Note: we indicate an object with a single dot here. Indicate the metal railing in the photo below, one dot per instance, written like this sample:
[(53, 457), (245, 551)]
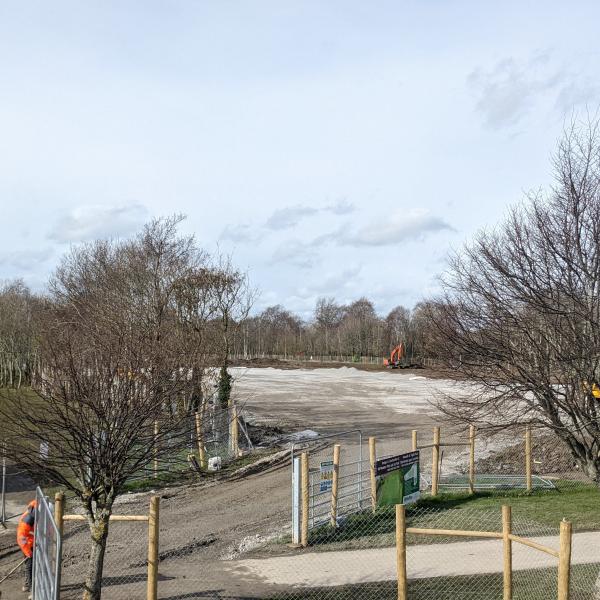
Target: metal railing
[(47, 551)]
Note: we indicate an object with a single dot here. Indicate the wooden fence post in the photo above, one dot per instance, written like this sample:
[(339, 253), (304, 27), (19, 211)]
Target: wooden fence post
[(155, 451), (372, 461), (401, 551), (334, 484), (235, 447), (153, 542), (304, 474), (528, 458), (415, 444), (59, 511), (200, 440), (435, 461), (472, 459), (564, 560), (507, 546)]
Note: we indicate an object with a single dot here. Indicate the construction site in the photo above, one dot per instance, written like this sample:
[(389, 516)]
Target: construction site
[(299, 300), (230, 533)]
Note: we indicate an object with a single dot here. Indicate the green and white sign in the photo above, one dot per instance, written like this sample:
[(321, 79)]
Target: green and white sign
[(398, 479)]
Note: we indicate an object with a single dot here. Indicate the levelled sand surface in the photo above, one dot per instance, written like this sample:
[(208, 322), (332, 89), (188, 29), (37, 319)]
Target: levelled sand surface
[(403, 392), (342, 398)]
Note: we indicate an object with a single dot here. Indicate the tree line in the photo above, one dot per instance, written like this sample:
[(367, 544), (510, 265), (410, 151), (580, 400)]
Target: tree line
[(333, 330)]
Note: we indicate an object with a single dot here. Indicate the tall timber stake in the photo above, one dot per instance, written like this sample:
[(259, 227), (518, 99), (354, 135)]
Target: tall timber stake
[(435, 461), (415, 443), (472, 459), (59, 511), (235, 445), (372, 463), (401, 551), (305, 499), (507, 551), (334, 484), (153, 542), (564, 560), (528, 458), (155, 461), (200, 441)]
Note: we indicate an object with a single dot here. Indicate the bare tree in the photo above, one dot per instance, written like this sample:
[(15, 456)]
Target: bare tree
[(233, 300), (17, 334), (521, 310), (113, 364)]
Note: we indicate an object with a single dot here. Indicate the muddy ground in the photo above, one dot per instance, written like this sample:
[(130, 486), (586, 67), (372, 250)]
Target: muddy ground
[(204, 525)]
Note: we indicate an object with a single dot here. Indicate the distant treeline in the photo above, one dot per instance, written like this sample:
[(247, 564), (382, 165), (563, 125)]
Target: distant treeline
[(353, 330), (333, 330)]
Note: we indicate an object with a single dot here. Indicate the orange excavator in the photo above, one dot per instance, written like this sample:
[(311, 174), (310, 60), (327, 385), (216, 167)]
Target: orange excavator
[(396, 356)]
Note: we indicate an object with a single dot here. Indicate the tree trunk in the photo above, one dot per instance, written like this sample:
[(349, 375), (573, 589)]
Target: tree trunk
[(99, 535), (591, 467)]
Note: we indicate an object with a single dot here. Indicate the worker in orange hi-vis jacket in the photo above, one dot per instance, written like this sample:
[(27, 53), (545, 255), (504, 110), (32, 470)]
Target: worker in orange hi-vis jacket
[(25, 541)]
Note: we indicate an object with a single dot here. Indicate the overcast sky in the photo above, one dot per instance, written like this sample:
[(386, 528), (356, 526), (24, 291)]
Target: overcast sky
[(334, 148)]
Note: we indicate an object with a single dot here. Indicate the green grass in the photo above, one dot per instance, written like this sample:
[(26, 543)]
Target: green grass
[(579, 504), (533, 514), (537, 584)]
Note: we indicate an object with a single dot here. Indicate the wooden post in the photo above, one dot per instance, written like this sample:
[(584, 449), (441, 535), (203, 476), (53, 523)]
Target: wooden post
[(155, 451), (59, 510), (304, 474), (153, 542), (235, 446), (200, 441), (415, 444), (435, 461), (334, 484), (528, 458), (507, 545), (472, 459), (564, 560), (372, 461), (401, 551)]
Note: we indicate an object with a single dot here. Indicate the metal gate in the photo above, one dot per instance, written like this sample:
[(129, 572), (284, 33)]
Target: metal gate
[(353, 477), (46, 551)]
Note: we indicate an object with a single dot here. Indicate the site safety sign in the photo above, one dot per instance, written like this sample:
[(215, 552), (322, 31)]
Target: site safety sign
[(398, 479), (326, 471)]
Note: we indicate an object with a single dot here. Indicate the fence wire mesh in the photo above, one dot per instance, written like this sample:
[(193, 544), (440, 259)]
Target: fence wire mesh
[(500, 461), (357, 560), (125, 561), (214, 431)]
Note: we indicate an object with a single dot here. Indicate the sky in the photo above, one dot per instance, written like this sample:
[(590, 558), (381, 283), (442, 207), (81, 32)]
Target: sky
[(337, 148)]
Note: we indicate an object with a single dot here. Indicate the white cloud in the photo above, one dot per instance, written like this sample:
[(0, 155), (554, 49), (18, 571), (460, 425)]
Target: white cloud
[(284, 218), (241, 233), (295, 253), (394, 229), (507, 91), (341, 207), (93, 222)]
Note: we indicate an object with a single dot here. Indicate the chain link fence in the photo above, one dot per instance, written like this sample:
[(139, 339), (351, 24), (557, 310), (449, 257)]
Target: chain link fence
[(450, 553), (514, 460), (203, 441), (125, 573)]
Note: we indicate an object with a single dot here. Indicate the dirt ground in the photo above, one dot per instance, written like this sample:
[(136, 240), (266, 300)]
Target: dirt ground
[(204, 526)]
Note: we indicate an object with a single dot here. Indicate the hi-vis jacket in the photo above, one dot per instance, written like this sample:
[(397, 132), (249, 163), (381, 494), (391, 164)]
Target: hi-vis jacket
[(25, 529)]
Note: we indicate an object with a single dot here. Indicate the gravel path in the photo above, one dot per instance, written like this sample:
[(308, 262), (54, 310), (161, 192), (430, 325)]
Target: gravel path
[(317, 569)]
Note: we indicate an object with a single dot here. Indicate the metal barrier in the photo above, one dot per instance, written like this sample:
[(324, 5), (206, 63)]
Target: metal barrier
[(351, 475), (47, 551)]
